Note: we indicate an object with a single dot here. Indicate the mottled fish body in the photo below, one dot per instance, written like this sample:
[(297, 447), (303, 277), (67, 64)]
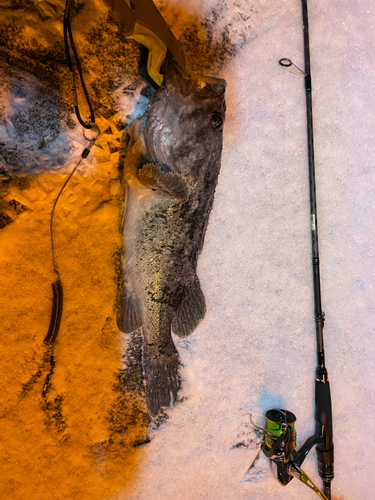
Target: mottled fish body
[(171, 171)]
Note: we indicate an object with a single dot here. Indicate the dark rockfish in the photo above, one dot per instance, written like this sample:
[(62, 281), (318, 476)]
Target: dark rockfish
[(171, 170)]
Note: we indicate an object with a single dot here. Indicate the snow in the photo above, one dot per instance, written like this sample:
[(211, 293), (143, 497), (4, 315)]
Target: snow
[(255, 349)]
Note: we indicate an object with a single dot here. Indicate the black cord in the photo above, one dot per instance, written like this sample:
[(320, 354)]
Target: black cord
[(53, 211), (68, 36)]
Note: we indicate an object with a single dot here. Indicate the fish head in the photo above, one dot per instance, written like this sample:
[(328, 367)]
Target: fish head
[(184, 127)]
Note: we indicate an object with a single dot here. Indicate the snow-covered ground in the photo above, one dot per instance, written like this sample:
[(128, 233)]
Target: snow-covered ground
[(255, 349)]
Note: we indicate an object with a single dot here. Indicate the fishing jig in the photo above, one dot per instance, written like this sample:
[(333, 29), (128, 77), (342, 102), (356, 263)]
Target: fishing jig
[(280, 435)]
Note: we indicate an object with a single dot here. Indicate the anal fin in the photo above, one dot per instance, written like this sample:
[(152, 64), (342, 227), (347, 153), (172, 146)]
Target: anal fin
[(192, 309), (152, 176), (129, 316)]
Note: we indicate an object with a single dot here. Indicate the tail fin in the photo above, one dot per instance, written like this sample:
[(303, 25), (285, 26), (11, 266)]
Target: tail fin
[(162, 380)]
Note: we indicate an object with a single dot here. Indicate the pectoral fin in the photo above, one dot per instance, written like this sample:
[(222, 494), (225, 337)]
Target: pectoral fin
[(191, 310), (129, 316), (152, 176)]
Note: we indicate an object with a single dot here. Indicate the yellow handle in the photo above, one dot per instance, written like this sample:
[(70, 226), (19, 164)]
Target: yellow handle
[(304, 478), (157, 50)]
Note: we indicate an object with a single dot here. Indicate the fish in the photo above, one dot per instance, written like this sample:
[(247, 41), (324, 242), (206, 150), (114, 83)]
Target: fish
[(171, 170)]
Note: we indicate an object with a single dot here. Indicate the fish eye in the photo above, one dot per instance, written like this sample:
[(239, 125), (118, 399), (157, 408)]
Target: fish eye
[(216, 120)]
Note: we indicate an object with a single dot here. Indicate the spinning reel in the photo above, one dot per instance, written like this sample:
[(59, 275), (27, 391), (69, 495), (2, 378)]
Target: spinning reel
[(280, 447)]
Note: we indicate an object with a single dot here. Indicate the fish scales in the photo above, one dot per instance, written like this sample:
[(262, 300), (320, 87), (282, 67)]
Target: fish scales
[(171, 170)]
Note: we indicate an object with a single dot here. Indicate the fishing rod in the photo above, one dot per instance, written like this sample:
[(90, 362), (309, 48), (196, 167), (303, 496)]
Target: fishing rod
[(280, 435)]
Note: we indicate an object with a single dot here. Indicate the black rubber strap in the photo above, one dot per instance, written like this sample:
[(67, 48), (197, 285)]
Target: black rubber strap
[(68, 36), (57, 305)]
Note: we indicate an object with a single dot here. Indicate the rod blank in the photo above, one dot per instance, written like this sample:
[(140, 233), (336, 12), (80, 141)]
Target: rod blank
[(323, 406)]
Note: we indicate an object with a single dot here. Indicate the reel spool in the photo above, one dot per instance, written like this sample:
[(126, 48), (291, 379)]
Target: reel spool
[(280, 442)]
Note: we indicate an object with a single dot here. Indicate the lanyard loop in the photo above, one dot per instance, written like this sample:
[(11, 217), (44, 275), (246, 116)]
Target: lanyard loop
[(68, 33)]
